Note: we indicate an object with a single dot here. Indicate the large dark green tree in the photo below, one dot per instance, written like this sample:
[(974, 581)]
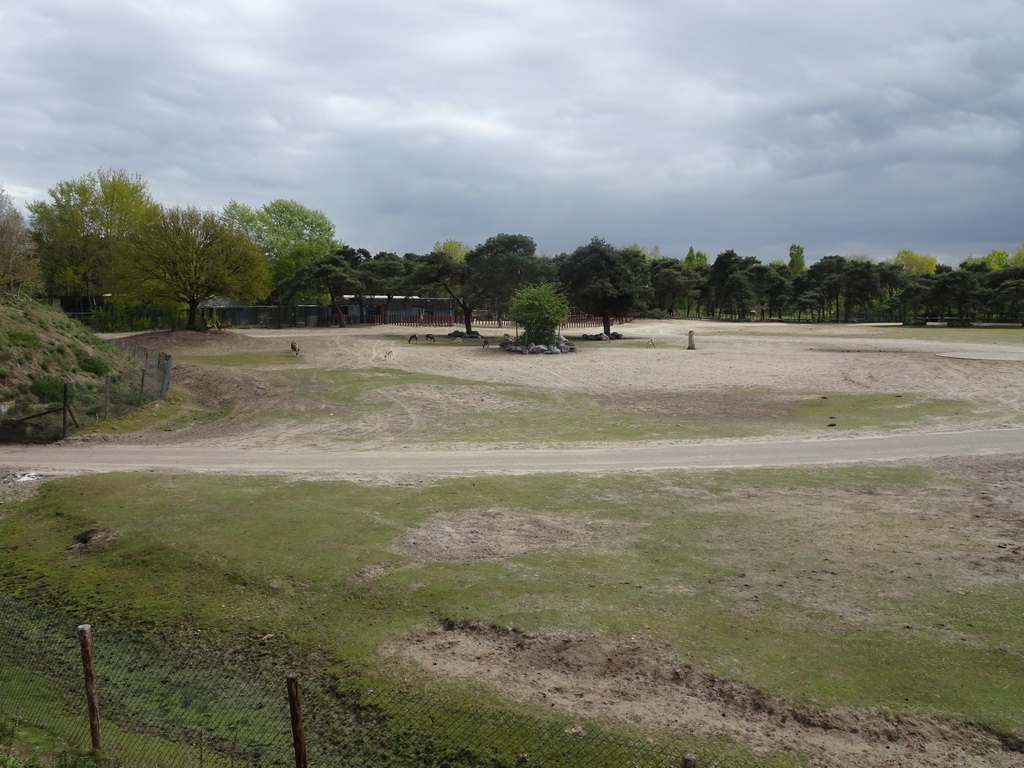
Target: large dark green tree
[(336, 274), (188, 256), (606, 281), (500, 266), (445, 270)]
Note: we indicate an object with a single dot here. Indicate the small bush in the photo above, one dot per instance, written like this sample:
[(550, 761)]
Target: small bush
[(49, 389), (94, 365), (25, 339)]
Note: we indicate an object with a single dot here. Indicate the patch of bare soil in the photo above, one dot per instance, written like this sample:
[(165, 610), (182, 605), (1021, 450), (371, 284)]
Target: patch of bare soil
[(93, 539), (19, 486), (630, 680), (487, 534)]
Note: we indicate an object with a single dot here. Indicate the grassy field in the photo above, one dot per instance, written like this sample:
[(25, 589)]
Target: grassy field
[(891, 591), (747, 575)]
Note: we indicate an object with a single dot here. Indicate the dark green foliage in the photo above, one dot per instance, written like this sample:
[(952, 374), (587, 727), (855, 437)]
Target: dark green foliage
[(48, 389)]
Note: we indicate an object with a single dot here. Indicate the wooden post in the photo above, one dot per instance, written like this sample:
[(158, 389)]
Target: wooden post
[(64, 414), (106, 397), (298, 732), (85, 639), (689, 343), (142, 388), (689, 759)]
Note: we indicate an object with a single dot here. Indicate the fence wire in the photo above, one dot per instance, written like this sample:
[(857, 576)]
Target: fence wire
[(168, 705)]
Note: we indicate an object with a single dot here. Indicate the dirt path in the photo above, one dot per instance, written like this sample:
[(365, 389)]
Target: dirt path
[(97, 456)]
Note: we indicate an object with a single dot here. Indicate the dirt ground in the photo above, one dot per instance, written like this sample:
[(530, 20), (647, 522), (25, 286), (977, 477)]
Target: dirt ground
[(626, 677)]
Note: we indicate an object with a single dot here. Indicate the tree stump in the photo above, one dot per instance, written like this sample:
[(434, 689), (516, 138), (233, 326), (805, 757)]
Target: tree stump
[(689, 343)]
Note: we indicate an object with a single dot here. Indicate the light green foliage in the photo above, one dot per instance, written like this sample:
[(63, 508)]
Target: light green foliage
[(88, 231), (695, 259), (540, 309), (916, 263), (796, 259), (189, 256), (1017, 259), (289, 233)]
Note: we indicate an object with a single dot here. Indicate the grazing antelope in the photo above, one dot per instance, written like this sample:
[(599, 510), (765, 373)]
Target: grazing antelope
[(414, 337), (389, 354), (650, 342), (487, 343), (458, 339), (295, 348), (430, 337), (507, 337), (606, 337)]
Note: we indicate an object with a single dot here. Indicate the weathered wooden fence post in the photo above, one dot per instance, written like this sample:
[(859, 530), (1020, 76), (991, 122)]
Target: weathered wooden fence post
[(298, 730), (689, 343), (689, 759), (85, 640), (165, 384), (142, 388), (64, 414)]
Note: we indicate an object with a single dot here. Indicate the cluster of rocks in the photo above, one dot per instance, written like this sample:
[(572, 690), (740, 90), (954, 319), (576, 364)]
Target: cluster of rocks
[(600, 336), (464, 335), (560, 347)]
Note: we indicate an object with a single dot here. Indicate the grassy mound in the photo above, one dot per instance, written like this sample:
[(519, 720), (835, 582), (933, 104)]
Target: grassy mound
[(41, 351)]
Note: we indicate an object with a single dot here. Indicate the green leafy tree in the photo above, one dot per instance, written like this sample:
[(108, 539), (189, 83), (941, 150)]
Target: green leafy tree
[(605, 281), (335, 274), (189, 255), (916, 263), (695, 259), (289, 233), (673, 284), (1017, 258), (19, 262), (386, 274), (796, 259), (88, 230), (500, 266), (540, 309), (445, 270)]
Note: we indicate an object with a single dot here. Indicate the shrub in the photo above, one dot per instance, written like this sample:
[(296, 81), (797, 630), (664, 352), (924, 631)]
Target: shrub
[(25, 339), (94, 365), (49, 389)]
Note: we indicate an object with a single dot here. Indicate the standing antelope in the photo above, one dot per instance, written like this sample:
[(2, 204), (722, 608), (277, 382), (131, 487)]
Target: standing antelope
[(487, 343), (295, 348), (650, 342)]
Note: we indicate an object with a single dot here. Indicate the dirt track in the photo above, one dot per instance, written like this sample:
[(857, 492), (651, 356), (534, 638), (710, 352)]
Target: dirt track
[(100, 457)]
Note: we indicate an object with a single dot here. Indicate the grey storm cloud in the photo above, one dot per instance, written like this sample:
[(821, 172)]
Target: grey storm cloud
[(849, 126)]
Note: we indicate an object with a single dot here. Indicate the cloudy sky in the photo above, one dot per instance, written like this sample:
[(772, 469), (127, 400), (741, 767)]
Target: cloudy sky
[(848, 126)]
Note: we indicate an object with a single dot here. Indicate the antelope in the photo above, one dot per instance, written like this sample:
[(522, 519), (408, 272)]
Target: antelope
[(223, 325), (430, 337), (414, 337), (487, 343), (650, 342), (389, 354), (295, 348), (458, 339), (606, 337)]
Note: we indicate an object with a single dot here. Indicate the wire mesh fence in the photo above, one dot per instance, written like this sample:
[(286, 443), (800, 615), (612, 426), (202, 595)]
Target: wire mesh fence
[(58, 408), (169, 705)]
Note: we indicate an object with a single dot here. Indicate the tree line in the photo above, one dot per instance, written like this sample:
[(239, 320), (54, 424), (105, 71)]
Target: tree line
[(104, 239)]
